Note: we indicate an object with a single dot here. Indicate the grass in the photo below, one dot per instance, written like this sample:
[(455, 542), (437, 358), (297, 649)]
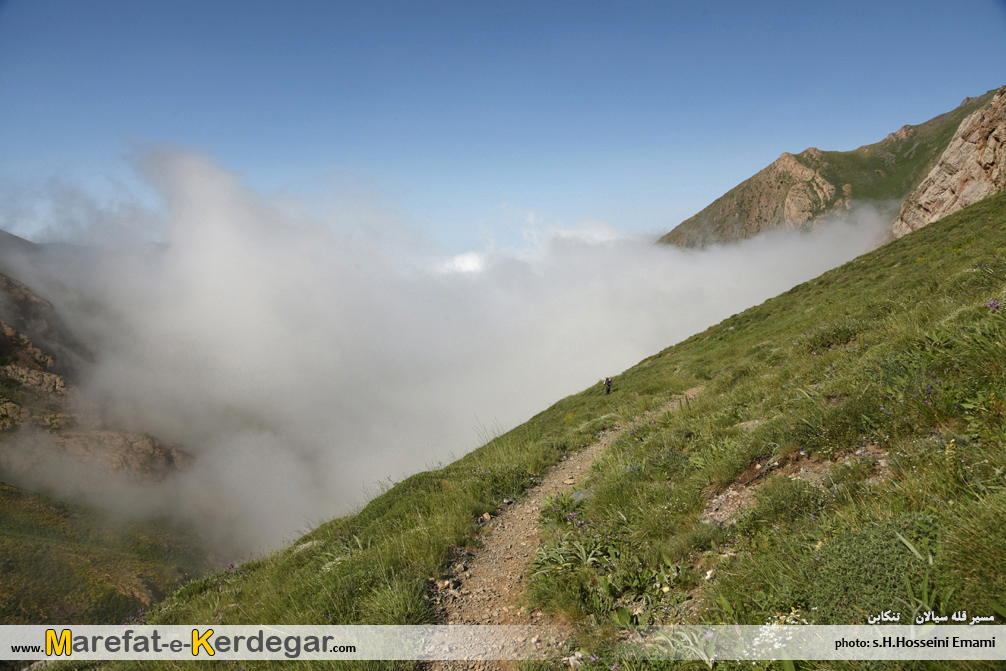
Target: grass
[(887, 371), (69, 564)]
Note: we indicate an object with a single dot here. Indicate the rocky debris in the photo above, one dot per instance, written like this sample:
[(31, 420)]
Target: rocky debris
[(724, 508), (971, 168)]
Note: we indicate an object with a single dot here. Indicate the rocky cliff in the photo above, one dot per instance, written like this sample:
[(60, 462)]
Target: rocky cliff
[(806, 189), (35, 393), (971, 168)]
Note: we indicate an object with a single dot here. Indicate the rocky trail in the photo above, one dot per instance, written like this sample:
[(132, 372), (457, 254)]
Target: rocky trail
[(487, 585)]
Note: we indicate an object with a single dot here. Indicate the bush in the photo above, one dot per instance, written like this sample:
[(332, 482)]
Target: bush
[(863, 572), (561, 509)]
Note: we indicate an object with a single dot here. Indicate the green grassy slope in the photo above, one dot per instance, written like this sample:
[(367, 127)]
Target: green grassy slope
[(62, 563), (854, 410), (891, 168), (885, 171)]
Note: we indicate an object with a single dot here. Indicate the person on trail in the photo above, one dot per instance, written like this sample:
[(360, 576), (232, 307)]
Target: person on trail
[(607, 386)]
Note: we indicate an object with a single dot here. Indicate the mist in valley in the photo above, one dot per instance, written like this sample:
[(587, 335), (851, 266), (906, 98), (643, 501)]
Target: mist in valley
[(306, 358)]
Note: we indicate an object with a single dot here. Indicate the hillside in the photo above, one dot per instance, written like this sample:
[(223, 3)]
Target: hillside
[(59, 561), (845, 431), (799, 191)]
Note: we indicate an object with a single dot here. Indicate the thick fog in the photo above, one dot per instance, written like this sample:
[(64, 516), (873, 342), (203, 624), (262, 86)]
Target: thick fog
[(305, 358)]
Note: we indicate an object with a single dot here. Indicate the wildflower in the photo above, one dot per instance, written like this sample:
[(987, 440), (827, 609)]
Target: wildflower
[(994, 304)]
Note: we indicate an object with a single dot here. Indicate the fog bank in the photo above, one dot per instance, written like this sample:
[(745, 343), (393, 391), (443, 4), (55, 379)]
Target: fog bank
[(304, 358)]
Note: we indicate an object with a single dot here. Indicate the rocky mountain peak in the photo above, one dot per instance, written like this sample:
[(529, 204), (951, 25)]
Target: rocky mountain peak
[(902, 133), (814, 186)]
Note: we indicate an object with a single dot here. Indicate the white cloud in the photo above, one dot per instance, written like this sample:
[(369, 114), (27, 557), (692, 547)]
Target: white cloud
[(302, 365)]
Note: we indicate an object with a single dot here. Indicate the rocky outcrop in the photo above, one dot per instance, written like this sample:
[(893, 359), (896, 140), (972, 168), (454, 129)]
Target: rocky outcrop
[(138, 454), (971, 168), (808, 194), (33, 396), (48, 383), (789, 193), (35, 318), (29, 364)]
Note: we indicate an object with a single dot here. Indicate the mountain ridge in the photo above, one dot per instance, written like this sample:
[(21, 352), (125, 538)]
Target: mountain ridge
[(804, 190)]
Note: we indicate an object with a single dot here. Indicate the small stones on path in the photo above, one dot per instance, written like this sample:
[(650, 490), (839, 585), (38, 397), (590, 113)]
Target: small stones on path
[(491, 578)]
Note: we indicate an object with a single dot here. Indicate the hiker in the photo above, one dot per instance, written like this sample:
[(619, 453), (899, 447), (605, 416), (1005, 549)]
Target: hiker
[(607, 386)]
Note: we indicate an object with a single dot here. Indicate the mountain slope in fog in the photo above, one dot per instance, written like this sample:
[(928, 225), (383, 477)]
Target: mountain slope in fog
[(64, 562), (861, 406)]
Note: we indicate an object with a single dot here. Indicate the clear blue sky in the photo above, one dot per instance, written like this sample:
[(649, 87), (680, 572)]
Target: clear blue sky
[(467, 116)]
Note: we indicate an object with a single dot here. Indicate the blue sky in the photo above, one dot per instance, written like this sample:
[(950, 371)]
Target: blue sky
[(464, 118)]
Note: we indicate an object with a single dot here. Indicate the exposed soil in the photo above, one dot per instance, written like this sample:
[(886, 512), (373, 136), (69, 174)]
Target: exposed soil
[(724, 507), (486, 586)]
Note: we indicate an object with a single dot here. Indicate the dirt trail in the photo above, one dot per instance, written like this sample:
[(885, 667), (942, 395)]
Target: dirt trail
[(487, 584)]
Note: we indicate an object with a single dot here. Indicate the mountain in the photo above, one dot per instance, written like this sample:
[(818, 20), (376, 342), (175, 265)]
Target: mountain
[(806, 189), (37, 356), (59, 561)]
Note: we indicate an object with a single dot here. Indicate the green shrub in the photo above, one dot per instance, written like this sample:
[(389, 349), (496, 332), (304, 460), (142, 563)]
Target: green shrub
[(863, 572), (561, 509)]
